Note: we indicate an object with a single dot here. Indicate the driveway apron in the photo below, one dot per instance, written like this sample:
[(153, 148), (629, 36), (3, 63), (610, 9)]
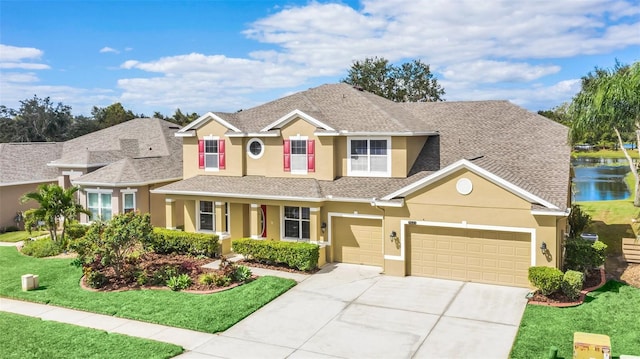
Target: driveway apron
[(351, 311)]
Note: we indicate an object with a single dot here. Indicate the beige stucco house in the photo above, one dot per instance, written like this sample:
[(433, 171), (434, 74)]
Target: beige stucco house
[(475, 191), (23, 167), (115, 168)]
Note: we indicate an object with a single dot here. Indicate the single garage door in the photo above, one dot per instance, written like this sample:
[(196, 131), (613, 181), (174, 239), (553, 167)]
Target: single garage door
[(470, 255), (357, 241)]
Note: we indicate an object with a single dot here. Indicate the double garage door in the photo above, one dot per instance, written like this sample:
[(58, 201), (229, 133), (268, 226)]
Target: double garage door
[(493, 257)]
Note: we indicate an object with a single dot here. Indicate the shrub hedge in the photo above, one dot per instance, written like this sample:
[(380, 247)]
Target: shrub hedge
[(166, 241), (547, 279), (303, 256), (572, 283), (43, 247), (582, 255), (76, 230)]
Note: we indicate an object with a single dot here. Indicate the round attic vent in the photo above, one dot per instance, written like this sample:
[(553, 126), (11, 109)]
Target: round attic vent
[(464, 186)]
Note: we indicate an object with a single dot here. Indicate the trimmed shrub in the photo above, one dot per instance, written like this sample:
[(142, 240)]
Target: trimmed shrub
[(241, 273), (547, 279), (303, 256), (167, 241), (582, 255), (76, 230), (578, 221), (11, 229), (43, 247), (572, 284), (178, 283)]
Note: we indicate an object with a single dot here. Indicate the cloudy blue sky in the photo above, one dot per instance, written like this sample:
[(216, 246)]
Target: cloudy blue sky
[(227, 55)]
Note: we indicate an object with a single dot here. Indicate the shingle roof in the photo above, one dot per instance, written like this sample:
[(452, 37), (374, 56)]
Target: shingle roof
[(137, 138), (139, 151), (27, 162), (521, 147)]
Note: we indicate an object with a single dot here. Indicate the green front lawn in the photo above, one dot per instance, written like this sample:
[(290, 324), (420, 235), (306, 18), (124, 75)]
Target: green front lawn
[(27, 337), (211, 313), (19, 236), (611, 310), (612, 221)]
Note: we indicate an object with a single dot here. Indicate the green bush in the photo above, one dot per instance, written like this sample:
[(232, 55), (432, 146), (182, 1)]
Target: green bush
[(167, 241), (547, 279), (43, 247), (582, 255), (578, 221), (76, 230), (241, 273), (11, 229), (178, 283), (303, 256), (572, 284), (95, 279)]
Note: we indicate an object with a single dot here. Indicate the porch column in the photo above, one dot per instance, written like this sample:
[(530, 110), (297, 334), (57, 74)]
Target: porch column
[(170, 213), (220, 217), (314, 224), (254, 221)]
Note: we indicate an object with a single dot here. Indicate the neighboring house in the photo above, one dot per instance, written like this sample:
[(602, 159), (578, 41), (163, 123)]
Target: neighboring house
[(23, 167), (474, 191), (118, 166)]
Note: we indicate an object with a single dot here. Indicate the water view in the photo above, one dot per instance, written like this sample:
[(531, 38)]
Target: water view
[(600, 179)]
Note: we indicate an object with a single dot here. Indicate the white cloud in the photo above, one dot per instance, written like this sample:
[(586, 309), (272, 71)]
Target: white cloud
[(14, 57), (25, 77), (487, 71), (108, 49)]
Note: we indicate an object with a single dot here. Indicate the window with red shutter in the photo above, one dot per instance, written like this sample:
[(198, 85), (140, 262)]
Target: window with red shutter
[(287, 155), (311, 155), (201, 153), (221, 152)]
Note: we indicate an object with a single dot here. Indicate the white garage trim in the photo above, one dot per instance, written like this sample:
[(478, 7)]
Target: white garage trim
[(330, 216), (464, 225)]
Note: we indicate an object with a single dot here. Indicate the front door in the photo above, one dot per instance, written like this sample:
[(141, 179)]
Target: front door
[(262, 214)]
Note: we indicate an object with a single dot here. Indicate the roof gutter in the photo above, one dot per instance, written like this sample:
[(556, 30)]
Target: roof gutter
[(124, 184)]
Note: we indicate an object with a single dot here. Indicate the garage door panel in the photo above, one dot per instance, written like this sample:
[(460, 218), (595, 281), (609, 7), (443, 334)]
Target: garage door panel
[(358, 241), (471, 255)]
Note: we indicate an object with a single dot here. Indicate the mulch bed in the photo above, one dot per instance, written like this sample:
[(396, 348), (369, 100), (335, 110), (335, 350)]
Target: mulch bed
[(631, 275), (275, 266), (594, 280)]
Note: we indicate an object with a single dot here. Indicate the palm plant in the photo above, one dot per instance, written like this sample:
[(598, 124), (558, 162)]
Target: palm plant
[(57, 206)]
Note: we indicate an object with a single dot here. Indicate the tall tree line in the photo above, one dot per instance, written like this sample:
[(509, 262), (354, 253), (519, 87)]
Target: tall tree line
[(42, 120)]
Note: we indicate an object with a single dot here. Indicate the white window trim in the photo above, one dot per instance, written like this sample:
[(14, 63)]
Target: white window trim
[(211, 169), (213, 215), (259, 155), (129, 191), (98, 191), (306, 167), (351, 172), (282, 225)]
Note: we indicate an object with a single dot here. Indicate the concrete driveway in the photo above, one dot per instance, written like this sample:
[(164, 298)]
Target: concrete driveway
[(351, 311)]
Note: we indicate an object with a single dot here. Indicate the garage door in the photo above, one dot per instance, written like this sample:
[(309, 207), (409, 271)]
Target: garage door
[(469, 255), (357, 241)]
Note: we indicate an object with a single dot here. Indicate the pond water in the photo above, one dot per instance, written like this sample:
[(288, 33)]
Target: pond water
[(600, 179)]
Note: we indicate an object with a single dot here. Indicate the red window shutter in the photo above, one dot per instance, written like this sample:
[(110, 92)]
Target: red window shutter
[(201, 153), (221, 155), (287, 155), (311, 155)]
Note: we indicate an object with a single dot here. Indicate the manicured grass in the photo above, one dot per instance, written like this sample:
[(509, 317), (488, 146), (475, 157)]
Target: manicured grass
[(59, 285), (18, 236), (612, 221), (27, 337), (605, 154), (612, 310)]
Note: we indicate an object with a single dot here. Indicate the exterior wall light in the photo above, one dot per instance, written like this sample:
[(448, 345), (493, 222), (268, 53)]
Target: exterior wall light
[(393, 235), (543, 247), (323, 226)]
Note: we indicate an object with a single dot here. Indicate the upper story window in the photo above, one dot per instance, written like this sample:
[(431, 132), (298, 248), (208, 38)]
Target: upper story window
[(299, 155), (99, 203), (255, 148), (369, 157), (211, 153)]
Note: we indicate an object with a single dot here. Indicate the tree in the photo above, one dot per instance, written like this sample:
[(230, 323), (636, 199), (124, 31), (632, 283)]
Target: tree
[(56, 204), (409, 82), (178, 117), (37, 120), (609, 101), (560, 114), (111, 115)]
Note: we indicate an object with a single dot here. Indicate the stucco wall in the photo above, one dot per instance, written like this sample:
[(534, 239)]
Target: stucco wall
[(10, 202)]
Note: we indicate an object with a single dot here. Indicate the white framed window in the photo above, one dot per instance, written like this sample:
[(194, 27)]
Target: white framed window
[(206, 216), (299, 156), (211, 154), (128, 200), (99, 203), (255, 148), (297, 222), (369, 156)]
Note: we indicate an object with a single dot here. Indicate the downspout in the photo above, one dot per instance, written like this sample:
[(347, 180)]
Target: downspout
[(384, 218)]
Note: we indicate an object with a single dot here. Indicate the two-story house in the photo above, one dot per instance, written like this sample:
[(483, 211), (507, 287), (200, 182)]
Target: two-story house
[(473, 191)]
